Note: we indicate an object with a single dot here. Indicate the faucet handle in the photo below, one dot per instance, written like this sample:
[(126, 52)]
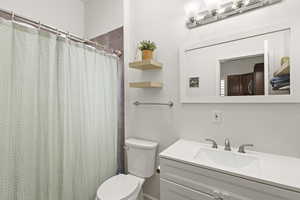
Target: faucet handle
[(242, 147), (227, 145), (214, 143)]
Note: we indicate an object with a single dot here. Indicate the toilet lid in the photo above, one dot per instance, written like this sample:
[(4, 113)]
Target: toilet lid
[(118, 187)]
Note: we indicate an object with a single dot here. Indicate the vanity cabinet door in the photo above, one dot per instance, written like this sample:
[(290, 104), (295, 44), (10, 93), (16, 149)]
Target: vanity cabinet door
[(173, 191), (229, 187)]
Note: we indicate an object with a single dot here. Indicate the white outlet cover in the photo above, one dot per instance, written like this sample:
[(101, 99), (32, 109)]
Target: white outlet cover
[(217, 117)]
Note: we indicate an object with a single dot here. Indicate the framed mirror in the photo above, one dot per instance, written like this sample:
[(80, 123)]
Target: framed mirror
[(250, 67)]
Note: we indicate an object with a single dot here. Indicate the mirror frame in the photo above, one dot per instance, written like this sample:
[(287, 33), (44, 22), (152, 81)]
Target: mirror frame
[(294, 97)]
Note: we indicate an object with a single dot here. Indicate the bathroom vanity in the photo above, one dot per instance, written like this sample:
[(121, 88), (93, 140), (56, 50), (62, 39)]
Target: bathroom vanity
[(196, 171)]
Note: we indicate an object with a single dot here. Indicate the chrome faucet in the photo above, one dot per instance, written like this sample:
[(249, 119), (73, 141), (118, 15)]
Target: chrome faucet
[(242, 147), (227, 145), (214, 143)]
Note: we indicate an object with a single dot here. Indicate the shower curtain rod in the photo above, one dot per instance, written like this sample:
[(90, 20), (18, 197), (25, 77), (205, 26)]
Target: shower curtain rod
[(16, 17)]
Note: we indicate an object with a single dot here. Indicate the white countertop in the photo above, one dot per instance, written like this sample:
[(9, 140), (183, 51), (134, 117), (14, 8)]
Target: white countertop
[(279, 171)]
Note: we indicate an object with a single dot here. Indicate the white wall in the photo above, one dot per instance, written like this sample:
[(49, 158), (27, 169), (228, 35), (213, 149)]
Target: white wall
[(64, 14), (272, 128), (103, 16)]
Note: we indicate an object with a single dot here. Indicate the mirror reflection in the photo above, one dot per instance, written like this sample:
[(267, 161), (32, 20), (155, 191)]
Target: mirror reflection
[(242, 76), (280, 80), (245, 76)]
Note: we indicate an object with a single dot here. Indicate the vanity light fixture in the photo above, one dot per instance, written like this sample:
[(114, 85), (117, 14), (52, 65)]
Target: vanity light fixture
[(220, 9)]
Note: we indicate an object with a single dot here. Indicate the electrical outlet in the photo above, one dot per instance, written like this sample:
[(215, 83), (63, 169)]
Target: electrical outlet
[(217, 117)]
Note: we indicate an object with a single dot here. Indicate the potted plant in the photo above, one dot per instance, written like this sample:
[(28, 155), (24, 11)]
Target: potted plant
[(147, 47)]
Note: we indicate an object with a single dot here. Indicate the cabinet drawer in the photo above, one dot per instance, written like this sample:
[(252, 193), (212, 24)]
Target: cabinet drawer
[(211, 182), (173, 191)]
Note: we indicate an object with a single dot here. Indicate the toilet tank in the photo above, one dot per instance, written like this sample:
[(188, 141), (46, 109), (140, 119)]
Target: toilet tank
[(141, 156)]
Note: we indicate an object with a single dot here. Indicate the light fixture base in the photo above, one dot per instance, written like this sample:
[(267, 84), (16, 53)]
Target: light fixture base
[(238, 8)]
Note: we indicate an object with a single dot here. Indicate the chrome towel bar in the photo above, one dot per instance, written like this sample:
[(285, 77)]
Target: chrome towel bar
[(170, 104)]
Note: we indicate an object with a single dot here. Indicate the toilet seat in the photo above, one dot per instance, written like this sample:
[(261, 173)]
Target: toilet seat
[(120, 187)]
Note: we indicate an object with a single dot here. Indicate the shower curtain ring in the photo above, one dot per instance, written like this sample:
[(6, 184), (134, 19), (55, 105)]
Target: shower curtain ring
[(57, 32), (39, 27), (85, 41), (12, 16)]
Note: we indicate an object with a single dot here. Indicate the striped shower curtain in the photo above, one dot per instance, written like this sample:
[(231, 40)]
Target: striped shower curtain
[(58, 116)]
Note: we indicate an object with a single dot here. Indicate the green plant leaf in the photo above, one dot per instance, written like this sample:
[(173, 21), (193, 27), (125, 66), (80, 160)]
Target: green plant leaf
[(147, 45)]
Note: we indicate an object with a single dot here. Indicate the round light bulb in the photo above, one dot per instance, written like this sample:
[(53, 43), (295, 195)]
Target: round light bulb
[(199, 17), (221, 10), (213, 4), (192, 8), (247, 2)]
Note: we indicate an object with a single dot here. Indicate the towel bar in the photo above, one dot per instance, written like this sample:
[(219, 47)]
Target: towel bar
[(170, 103)]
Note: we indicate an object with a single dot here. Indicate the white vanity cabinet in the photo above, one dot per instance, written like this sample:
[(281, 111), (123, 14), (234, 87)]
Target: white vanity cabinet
[(170, 190), (180, 181), (183, 178)]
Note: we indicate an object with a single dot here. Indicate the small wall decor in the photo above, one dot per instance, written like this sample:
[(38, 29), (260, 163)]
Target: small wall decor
[(210, 11), (194, 82), (147, 47)]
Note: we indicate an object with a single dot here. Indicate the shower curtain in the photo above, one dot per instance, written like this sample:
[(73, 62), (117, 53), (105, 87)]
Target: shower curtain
[(58, 116)]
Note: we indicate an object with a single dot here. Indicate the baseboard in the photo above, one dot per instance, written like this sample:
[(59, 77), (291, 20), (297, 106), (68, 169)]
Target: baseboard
[(150, 197)]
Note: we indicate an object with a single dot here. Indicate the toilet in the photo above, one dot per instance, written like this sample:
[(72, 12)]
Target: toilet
[(141, 156)]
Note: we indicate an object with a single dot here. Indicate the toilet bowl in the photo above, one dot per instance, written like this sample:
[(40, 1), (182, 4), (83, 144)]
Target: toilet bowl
[(120, 187), (141, 165)]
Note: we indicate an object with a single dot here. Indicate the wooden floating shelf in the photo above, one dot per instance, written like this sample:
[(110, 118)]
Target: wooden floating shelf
[(146, 85), (146, 65)]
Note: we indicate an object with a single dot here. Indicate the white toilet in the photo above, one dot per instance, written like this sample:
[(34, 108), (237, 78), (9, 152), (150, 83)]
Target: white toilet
[(141, 164)]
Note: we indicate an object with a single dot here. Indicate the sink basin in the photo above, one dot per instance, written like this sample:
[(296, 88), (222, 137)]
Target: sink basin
[(227, 159), (280, 171)]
